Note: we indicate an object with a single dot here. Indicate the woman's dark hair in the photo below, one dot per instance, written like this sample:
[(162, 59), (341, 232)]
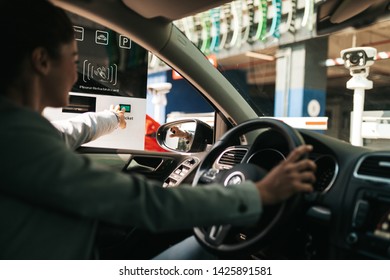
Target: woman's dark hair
[(26, 25)]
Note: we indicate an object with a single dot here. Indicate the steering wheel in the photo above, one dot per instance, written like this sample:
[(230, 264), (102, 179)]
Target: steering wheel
[(274, 221)]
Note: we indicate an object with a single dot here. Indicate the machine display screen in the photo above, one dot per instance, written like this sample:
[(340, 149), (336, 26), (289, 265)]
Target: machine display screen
[(109, 63)]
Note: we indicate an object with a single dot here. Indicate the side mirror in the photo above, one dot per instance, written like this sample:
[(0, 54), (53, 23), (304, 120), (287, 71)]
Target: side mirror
[(186, 136)]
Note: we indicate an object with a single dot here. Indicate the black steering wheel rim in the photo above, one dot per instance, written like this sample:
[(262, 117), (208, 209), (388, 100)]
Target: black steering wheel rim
[(285, 211)]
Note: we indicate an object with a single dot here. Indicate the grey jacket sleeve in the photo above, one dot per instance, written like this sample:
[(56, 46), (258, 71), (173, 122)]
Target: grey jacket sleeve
[(65, 182), (86, 127)]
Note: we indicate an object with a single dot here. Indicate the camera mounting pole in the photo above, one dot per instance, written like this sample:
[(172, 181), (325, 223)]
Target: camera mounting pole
[(359, 83), (358, 60)]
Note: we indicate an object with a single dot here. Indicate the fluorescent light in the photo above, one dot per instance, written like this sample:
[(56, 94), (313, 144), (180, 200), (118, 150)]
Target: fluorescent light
[(260, 56)]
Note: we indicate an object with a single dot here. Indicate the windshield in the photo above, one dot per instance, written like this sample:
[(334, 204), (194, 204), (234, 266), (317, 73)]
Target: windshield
[(270, 52)]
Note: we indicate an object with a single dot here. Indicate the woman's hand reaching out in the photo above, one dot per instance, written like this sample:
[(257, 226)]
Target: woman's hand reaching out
[(120, 114)]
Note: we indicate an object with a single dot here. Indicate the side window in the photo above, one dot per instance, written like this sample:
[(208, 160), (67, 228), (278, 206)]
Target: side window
[(112, 70), (171, 98), (115, 70)]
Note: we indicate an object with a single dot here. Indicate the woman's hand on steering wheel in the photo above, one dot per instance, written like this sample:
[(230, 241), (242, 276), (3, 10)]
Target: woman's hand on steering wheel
[(282, 187), (295, 174)]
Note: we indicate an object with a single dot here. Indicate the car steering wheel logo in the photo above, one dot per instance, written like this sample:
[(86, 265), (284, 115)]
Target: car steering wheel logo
[(234, 179)]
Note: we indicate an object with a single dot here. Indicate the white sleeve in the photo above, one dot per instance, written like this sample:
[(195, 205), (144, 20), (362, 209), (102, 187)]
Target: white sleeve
[(86, 127)]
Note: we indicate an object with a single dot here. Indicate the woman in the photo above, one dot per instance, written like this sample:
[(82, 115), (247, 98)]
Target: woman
[(52, 199)]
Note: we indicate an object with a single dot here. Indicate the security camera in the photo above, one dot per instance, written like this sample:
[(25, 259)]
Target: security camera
[(160, 88), (358, 59)]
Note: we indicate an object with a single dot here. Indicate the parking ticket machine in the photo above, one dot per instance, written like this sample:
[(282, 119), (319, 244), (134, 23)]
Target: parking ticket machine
[(112, 70)]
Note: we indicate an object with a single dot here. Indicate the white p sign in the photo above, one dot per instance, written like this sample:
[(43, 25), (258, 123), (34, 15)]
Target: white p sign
[(124, 42)]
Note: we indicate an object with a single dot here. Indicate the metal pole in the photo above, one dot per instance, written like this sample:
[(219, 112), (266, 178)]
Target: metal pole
[(357, 116), (359, 83)]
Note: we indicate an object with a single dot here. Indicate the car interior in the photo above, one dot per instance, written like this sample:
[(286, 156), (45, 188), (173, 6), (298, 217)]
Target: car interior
[(348, 214)]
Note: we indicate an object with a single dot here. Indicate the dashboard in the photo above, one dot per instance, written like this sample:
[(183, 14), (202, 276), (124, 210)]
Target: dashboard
[(348, 214), (346, 217)]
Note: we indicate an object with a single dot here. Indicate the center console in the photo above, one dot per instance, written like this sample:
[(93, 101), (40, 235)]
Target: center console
[(369, 232)]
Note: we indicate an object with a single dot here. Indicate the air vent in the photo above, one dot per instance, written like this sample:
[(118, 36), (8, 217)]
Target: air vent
[(377, 166), (232, 157)]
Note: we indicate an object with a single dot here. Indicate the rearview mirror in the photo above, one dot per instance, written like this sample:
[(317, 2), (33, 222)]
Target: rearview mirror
[(186, 136), (336, 15)]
